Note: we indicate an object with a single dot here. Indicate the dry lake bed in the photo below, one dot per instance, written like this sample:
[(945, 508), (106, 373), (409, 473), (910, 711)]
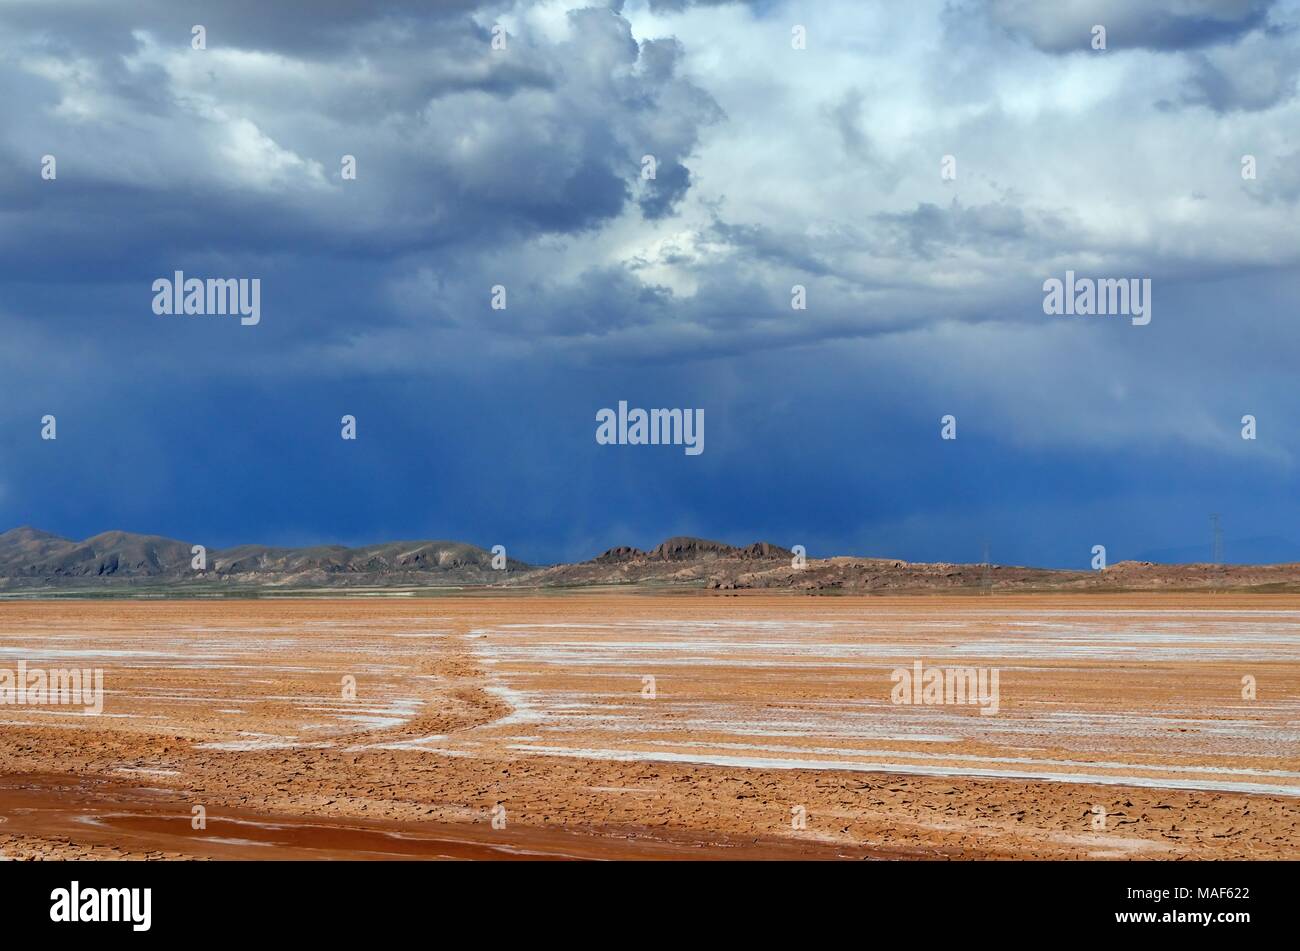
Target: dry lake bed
[(658, 726)]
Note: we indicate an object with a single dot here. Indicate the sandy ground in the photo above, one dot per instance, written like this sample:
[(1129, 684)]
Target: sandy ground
[(768, 729)]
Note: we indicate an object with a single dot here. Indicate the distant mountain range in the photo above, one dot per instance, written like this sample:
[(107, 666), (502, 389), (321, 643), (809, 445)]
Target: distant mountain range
[(32, 561), (29, 557)]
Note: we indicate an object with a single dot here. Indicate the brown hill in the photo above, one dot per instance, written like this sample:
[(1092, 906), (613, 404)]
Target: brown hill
[(33, 559), (29, 557)]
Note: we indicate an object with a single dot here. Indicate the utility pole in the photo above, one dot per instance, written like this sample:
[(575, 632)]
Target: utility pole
[(1216, 532)]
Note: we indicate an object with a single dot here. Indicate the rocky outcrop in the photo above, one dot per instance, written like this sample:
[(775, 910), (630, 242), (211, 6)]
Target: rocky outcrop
[(33, 559)]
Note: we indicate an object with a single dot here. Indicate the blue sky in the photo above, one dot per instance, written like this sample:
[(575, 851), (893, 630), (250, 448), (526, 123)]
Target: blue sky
[(775, 167)]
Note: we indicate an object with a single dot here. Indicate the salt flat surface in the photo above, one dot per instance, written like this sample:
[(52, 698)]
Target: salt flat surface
[(1145, 697), (1107, 694)]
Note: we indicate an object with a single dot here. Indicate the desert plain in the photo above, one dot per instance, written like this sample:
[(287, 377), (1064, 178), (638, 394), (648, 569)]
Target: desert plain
[(608, 725)]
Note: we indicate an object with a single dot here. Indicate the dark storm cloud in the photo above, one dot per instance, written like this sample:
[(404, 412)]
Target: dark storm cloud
[(299, 27), (773, 168), (931, 229), (1065, 27), (233, 160), (541, 138), (677, 6), (1260, 72), (763, 244)]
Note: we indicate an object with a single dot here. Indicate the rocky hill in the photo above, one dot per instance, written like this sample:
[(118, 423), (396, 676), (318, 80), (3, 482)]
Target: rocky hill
[(32, 560)]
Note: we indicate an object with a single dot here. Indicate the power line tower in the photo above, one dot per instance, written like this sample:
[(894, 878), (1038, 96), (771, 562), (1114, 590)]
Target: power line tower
[(1216, 532), (986, 575)]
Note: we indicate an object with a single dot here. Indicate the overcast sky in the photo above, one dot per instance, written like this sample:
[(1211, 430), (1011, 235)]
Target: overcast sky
[(775, 167)]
